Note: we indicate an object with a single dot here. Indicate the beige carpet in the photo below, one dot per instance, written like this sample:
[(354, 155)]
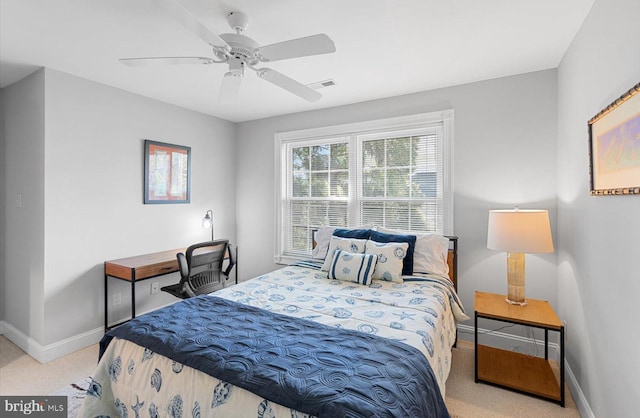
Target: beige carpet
[(21, 375)]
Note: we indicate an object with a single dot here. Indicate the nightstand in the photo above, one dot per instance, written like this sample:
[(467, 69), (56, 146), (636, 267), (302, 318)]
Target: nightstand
[(519, 372)]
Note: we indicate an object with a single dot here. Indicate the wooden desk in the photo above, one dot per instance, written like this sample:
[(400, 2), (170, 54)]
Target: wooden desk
[(141, 267)]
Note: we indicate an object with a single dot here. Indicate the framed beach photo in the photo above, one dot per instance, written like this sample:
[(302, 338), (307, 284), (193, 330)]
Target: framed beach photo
[(614, 147), (167, 173)]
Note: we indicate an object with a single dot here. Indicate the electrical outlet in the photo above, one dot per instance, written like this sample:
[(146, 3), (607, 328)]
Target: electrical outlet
[(155, 288), (117, 299)]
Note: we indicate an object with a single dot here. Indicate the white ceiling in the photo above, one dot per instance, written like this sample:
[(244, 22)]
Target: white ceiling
[(383, 47)]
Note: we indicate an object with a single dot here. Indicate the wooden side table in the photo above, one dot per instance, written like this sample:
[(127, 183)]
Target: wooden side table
[(515, 371)]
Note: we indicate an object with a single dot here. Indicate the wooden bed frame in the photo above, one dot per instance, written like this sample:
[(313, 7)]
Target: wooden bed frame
[(452, 260)]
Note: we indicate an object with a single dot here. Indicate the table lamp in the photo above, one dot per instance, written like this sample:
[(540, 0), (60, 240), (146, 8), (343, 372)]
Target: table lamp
[(207, 222), (518, 232)]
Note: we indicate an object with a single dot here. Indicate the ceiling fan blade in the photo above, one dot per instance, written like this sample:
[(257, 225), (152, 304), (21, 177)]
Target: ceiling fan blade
[(147, 61), (294, 48), (230, 86), (189, 21), (289, 84)]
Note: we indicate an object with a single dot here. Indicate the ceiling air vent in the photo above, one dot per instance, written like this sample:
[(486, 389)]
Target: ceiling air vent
[(322, 84)]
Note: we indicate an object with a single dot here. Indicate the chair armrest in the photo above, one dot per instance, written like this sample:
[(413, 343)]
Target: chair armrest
[(232, 260), (182, 265)]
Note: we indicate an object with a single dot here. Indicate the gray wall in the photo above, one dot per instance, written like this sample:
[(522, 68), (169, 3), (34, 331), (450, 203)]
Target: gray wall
[(504, 155), (86, 178), (599, 237), (3, 176), (24, 107), (75, 155)]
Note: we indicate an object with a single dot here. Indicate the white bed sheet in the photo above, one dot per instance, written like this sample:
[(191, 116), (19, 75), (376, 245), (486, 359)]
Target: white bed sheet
[(422, 312)]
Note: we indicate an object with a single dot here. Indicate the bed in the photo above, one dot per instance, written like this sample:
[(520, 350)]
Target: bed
[(296, 342)]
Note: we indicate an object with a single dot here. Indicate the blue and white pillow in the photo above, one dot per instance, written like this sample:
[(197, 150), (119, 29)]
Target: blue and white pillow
[(430, 252), (353, 267), (351, 245), (407, 263), (390, 259)]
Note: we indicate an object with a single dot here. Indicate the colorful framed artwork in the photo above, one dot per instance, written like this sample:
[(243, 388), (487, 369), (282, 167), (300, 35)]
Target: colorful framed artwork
[(614, 147), (167, 173)]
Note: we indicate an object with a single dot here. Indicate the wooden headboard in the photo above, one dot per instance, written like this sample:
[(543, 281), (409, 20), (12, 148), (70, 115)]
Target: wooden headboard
[(452, 260)]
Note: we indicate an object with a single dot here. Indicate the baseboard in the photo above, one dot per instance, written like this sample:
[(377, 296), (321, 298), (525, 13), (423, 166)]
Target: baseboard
[(576, 391), (46, 353), (509, 341), (58, 349), (118, 321)]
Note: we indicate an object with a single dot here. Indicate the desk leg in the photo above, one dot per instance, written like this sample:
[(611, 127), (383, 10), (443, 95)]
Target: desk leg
[(562, 366), (133, 293), (475, 333), (106, 303)]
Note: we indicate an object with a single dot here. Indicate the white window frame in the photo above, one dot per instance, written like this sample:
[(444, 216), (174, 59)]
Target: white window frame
[(283, 140)]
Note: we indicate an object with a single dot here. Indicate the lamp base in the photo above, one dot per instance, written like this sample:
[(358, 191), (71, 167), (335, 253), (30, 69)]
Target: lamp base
[(513, 302), (515, 279)]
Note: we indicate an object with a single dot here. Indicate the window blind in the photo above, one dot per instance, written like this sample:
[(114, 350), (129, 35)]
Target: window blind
[(401, 179), (388, 176), (319, 191)]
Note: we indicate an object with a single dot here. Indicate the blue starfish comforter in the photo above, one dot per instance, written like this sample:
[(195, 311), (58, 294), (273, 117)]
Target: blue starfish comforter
[(290, 343)]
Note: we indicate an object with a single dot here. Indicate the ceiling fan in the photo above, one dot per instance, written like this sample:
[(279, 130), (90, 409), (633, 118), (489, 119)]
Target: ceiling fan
[(239, 52)]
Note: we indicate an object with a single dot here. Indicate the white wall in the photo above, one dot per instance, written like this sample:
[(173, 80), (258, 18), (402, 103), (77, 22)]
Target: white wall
[(599, 237), (3, 176), (505, 155), (23, 110), (90, 178)]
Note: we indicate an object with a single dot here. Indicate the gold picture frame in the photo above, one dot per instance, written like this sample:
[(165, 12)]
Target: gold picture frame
[(614, 147)]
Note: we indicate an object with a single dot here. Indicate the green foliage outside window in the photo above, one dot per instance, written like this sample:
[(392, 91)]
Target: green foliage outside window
[(400, 185)]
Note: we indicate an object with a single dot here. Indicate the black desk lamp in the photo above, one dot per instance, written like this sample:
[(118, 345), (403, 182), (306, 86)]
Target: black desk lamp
[(207, 222)]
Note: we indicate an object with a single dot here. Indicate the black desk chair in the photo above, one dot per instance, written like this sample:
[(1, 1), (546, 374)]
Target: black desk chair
[(201, 269)]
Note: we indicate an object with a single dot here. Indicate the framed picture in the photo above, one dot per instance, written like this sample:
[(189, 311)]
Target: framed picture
[(614, 146), (167, 173)]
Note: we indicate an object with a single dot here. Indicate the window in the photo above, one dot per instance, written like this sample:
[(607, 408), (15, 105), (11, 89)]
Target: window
[(393, 173)]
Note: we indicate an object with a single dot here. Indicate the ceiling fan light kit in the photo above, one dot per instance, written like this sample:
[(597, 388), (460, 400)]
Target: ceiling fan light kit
[(239, 51)]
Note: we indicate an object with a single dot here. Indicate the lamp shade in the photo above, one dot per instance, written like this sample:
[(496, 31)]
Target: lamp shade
[(519, 231), (207, 221)]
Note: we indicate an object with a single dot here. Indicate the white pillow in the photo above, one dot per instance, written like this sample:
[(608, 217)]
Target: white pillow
[(322, 237), (352, 267), (390, 256), (351, 245), (430, 252)]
